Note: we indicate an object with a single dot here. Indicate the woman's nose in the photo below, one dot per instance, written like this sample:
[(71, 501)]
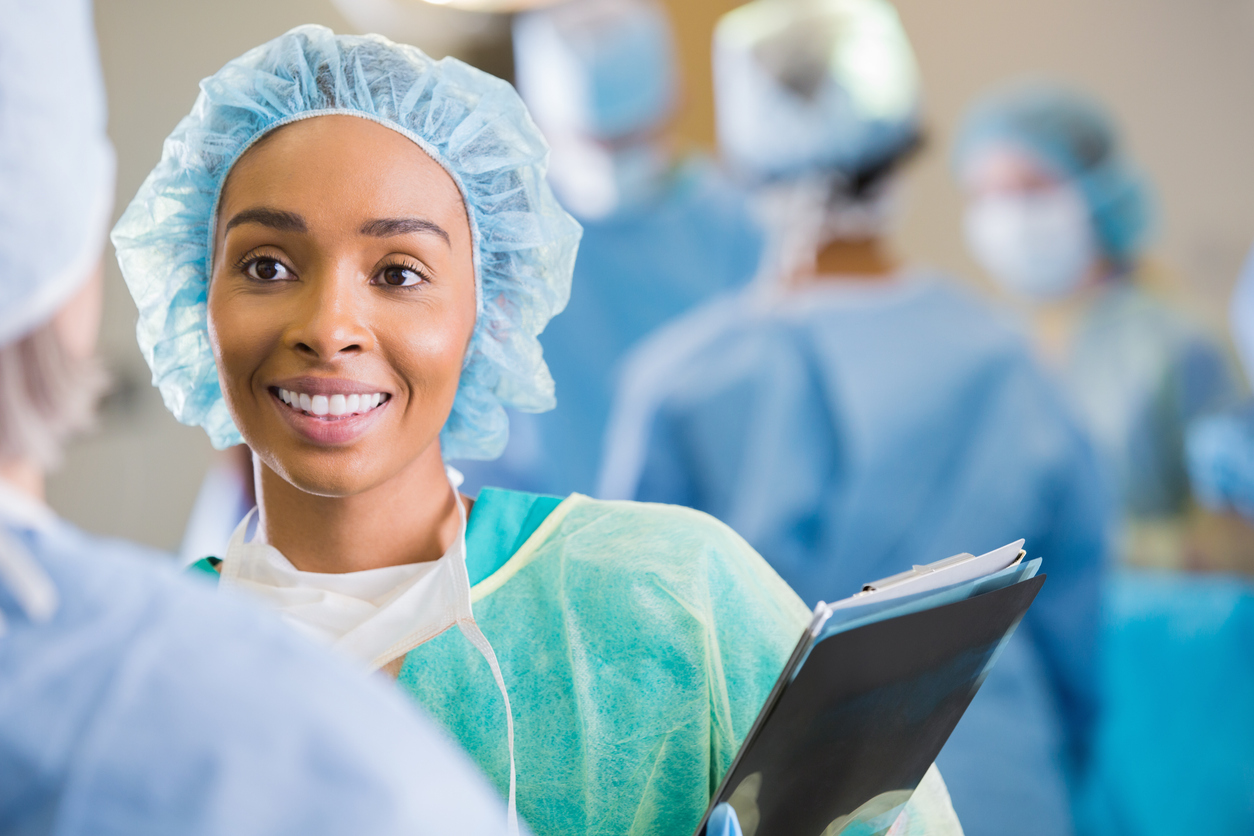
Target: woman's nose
[(332, 319)]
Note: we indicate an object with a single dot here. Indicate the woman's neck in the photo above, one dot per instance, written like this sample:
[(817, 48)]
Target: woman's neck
[(863, 260), (411, 518)]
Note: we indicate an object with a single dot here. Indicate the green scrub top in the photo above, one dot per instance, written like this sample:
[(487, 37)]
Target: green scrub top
[(637, 642)]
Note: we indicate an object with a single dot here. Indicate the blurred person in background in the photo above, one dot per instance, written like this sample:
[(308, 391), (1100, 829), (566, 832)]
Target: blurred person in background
[(662, 232), (1221, 446), (1174, 751), (852, 416), (132, 701), (1059, 217), (344, 258)]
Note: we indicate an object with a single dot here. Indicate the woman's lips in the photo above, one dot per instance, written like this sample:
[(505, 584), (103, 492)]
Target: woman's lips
[(330, 419)]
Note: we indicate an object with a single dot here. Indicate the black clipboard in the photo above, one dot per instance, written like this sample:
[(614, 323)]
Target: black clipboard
[(858, 717)]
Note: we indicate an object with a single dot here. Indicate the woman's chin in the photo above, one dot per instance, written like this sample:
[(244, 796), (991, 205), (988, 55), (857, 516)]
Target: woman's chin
[(334, 479), (341, 472)]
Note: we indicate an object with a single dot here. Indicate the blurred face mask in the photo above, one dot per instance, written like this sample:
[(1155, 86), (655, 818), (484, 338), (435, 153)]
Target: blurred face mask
[(1038, 244)]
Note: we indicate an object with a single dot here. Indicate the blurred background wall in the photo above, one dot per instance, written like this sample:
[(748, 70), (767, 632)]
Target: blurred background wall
[(1177, 74)]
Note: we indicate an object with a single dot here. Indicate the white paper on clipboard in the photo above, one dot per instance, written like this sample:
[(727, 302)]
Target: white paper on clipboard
[(952, 570)]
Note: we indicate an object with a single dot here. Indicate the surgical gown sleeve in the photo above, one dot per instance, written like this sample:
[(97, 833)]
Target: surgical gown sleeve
[(151, 705)]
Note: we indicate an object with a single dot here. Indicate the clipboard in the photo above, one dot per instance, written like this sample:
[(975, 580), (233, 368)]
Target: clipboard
[(861, 712)]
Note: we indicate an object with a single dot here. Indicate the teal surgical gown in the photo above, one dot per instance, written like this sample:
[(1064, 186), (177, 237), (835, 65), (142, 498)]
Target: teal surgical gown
[(636, 270), (148, 704), (638, 643), (855, 429)]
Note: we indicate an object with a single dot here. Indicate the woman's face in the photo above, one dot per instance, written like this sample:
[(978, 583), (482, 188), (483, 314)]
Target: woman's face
[(342, 302)]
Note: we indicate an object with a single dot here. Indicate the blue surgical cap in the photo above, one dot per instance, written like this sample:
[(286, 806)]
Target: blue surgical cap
[(1075, 137), (472, 124), (56, 163), (813, 85), (601, 68)]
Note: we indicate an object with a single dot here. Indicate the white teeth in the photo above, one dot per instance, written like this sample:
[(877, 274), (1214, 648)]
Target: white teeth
[(333, 405)]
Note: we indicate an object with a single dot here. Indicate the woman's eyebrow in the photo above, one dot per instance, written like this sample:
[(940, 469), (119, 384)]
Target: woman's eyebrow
[(273, 218), (387, 227)]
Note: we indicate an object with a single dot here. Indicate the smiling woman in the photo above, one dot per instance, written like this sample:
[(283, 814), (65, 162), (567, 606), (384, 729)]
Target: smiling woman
[(368, 296), (344, 259)]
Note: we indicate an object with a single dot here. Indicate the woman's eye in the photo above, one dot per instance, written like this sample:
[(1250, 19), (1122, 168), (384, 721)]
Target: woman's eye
[(267, 270), (398, 275)]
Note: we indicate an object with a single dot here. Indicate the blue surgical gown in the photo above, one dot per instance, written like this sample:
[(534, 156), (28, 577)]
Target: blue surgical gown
[(852, 430), (150, 705), (636, 270)]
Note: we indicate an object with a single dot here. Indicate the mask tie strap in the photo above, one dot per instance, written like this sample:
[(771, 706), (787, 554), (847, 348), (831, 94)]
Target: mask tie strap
[(470, 629)]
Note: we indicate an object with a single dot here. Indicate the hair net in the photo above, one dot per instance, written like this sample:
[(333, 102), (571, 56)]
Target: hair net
[(814, 84), (471, 123), (1242, 317), (603, 68), (1075, 136), (56, 163)]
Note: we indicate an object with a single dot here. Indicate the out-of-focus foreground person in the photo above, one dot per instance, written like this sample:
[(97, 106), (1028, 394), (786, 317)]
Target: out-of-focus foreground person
[(132, 701), (852, 416), (1059, 217), (662, 232)]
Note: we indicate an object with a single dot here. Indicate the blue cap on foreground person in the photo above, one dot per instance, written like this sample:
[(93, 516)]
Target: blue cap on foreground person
[(132, 701), (662, 232), (851, 417)]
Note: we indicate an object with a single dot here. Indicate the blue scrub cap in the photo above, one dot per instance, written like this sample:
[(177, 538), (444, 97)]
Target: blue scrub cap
[(603, 68), (472, 124), (1073, 135), (814, 85), (56, 163)]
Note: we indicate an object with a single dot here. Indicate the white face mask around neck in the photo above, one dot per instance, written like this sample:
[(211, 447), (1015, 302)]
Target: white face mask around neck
[(1040, 245), (374, 616)]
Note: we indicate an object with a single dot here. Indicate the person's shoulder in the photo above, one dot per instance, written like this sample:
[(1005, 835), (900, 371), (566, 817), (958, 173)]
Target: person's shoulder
[(1177, 323), (966, 310), (671, 542), (651, 364), (675, 522)]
